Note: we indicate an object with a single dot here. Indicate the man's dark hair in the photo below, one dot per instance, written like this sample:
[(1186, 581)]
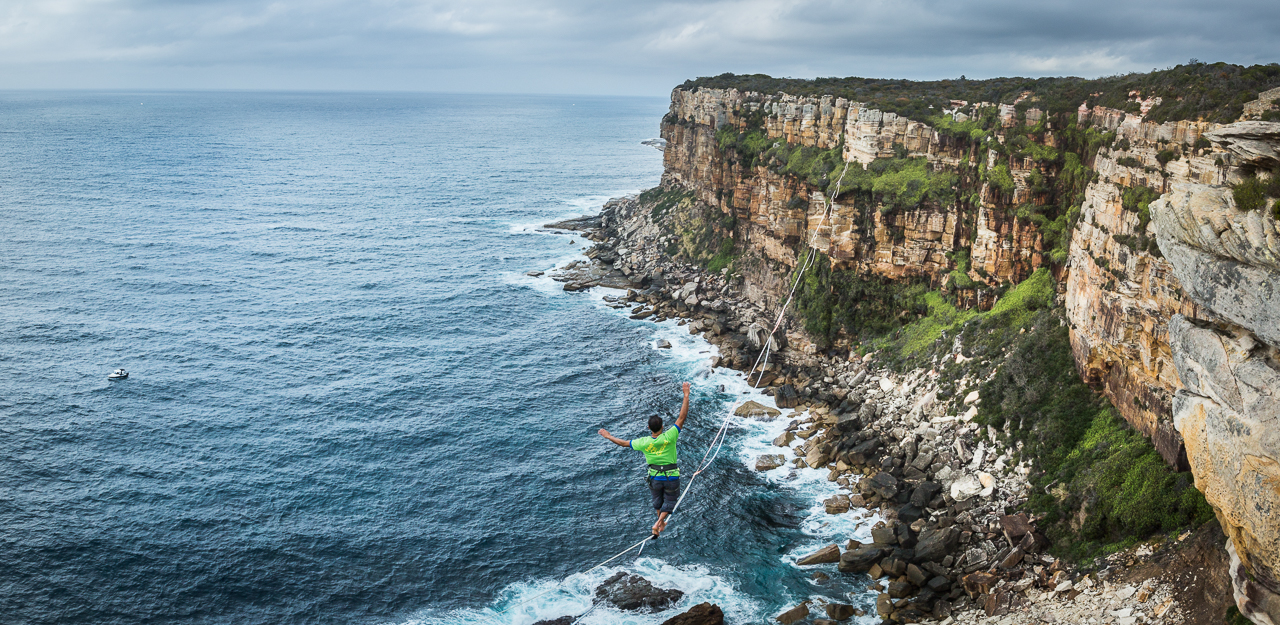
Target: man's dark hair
[(655, 423)]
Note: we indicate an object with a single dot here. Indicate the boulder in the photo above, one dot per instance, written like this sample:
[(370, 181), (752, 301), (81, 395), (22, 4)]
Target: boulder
[(859, 559), (935, 544), (924, 493), (756, 410), (632, 592), (826, 555), (883, 484), (884, 535), (899, 589), (701, 614), (819, 456), (965, 488), (794, 615), (838, 504), (785, 439), (979, 583), (564, 620), (769, 462), (839, 611), (1015, 526), (786, 396)]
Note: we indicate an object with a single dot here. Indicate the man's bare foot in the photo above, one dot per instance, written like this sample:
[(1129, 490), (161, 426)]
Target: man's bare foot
[(660, 526)]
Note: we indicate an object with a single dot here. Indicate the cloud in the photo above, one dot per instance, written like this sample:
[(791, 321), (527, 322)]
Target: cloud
[(580, 46)]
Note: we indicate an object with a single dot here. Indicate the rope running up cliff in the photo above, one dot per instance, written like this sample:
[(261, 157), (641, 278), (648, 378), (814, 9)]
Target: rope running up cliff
[(717, 442)]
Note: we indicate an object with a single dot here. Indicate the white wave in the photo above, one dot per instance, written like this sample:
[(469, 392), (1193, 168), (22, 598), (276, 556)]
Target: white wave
[(529, 602), (690, 359), (570, 208)]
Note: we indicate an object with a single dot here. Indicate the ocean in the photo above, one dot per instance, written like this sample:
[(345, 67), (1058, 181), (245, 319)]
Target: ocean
[(347, 402)]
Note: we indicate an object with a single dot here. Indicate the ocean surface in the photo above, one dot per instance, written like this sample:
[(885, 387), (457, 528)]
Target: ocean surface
[(347, 403)]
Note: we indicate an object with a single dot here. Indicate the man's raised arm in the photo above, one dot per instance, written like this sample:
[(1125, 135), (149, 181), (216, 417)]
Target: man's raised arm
[(684, 408), (614, 439)]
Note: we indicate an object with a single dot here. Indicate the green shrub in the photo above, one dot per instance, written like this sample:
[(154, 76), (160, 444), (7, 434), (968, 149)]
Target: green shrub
[(1164, 156), (1202, 143), (1000, 179), (1086, 457), (1249, 194), (1138, 199), (1128, 161), (723, 258), (829, 301)]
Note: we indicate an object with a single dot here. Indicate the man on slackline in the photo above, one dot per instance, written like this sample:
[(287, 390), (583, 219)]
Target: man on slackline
[(660, 452)]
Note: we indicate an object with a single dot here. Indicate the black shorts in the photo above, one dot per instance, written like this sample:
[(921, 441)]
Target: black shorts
[(664, 493)]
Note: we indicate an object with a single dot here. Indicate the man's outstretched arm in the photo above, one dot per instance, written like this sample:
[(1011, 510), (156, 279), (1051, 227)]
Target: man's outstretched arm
[(614, 439), (684, 408)]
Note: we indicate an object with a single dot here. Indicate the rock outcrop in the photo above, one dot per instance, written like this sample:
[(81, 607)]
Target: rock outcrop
[(632, 592), (1169, 289), (1228, 409)]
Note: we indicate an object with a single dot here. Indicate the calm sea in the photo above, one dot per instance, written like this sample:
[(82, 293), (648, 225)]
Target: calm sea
[(347, 403)]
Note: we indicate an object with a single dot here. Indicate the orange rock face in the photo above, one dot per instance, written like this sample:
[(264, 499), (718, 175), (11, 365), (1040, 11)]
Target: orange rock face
[(894, 244), (1119, 293)]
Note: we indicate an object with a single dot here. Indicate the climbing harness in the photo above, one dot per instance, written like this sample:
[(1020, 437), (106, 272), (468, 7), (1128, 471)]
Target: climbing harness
[(717, 442)]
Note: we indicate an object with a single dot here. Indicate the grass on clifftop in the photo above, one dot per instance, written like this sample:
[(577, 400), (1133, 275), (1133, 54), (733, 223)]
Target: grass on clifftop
[(1213, 92)]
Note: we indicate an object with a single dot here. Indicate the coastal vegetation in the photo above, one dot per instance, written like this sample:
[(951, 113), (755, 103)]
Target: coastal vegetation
[(1252, 192), (1195, 91), (1100, 485)]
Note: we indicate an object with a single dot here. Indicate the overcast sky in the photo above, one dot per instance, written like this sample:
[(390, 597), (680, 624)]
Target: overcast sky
[(603, 47)]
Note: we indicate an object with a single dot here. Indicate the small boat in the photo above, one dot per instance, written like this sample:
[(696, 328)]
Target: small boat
[(118, 374)]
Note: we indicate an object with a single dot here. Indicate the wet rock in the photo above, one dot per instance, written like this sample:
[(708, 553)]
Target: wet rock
[(786, 396), (899, 589), (701, 614), (756, 410), (794, 615), (827, 555), (859, 559), (884, 605), (564, 620), (632, 592), (839, 611), (770, 462), (664, 344), (785, 439), (837, 505)]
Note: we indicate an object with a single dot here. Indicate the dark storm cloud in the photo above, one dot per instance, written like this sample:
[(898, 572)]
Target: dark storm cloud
[(576, 46)]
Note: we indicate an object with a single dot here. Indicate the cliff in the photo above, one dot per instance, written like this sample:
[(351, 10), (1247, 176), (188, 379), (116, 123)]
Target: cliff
[(1168, 286)]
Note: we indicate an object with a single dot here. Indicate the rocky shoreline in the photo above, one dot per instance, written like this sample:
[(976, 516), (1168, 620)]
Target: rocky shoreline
[(955, 544)]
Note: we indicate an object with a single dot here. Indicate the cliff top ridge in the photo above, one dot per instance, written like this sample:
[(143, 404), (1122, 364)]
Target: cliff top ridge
[(1213, 92)]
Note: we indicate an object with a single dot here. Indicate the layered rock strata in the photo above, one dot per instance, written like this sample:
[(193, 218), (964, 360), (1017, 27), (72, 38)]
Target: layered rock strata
[(1228, 408)]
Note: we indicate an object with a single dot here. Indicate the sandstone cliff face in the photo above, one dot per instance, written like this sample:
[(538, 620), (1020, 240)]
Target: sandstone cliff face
[(1228, 408), (1174, 310), (1120, 296), (893, 244)]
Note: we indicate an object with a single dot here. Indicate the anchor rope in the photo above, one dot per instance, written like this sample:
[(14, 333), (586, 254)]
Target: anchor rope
[(717, 441)]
